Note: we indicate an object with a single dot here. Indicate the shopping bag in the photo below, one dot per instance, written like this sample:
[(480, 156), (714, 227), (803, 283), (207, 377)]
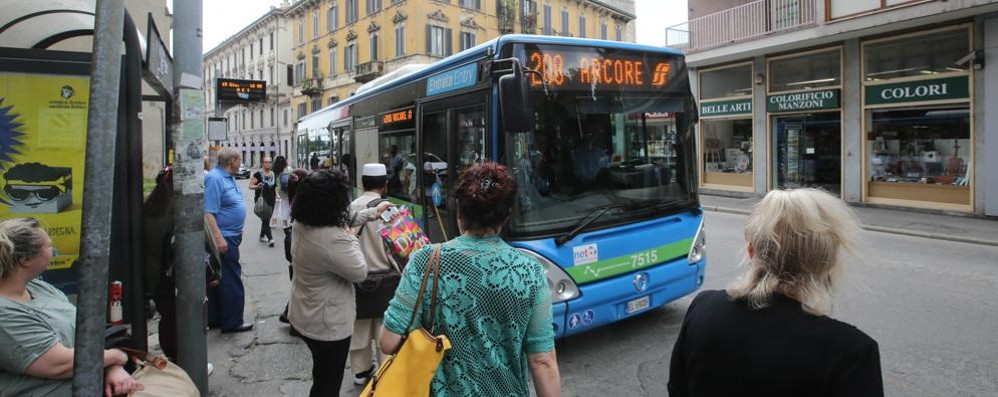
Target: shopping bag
[(410, 370), (403, 236)]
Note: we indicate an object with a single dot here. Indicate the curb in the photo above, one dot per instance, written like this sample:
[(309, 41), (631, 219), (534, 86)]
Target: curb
[(881, 229)]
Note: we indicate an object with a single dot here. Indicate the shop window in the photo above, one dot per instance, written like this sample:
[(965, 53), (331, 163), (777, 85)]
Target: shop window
[(727, 149), (727, 82), (922, 55), (920, 146), (806, 72)]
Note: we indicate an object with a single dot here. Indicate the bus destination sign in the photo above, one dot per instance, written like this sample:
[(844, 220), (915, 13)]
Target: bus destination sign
[(399, 119), (585, 68), (238, 90)]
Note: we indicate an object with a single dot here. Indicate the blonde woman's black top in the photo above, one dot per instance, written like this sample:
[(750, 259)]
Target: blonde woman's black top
[(726, 348)]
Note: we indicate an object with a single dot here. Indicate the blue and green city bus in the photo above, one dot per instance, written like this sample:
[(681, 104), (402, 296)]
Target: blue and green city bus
[(598, 134)]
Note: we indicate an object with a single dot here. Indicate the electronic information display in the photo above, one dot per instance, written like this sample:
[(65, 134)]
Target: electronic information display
[(241, 90), (584, 68)]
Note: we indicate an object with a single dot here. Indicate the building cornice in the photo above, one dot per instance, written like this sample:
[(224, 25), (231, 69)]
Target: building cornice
[(260, 24)]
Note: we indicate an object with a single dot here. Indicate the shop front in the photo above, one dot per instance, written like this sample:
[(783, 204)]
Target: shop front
[(726, 132), (917, 116), (804, 109)]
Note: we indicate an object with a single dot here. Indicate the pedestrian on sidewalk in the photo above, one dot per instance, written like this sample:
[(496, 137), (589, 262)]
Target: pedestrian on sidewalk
[(263, 183), (494, 300), (281, 217), (294, 179), (768, 334), (224, 215), (383, 274), (327, 261)]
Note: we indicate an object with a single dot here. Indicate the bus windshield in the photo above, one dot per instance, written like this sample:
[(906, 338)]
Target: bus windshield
[(626, 151)]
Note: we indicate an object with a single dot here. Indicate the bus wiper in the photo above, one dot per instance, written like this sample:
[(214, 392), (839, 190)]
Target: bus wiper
[(561, 240)]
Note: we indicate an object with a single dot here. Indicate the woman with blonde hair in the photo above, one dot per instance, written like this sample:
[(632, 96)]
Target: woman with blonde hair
[(38, 324), (768, 333)]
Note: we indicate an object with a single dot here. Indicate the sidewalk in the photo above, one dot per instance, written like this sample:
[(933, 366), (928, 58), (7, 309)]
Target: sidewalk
[(958, 228)]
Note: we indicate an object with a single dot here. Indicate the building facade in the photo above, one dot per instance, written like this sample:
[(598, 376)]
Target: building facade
[(341, 44), (260, 51), (879, 102)]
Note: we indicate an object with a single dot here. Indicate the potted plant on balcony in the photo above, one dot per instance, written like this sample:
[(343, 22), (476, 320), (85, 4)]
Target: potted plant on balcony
[(312, 86)]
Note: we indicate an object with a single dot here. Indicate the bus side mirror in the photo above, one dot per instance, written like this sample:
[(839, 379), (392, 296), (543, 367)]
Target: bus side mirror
[(515, 101)]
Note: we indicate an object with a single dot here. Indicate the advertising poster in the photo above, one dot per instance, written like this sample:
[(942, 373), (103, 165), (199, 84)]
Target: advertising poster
[(43, 124)]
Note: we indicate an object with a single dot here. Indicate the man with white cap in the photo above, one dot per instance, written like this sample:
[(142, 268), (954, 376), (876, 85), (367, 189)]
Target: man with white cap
[(374, 293)]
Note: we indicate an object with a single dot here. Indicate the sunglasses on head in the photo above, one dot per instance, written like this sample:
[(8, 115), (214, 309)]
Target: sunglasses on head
[(20, 194)]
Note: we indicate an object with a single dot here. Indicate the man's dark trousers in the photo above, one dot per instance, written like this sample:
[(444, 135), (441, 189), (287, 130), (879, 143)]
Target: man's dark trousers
[(227, 300)]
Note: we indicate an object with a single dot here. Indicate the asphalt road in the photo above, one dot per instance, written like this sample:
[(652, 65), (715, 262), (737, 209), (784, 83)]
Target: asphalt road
[(931, 305)]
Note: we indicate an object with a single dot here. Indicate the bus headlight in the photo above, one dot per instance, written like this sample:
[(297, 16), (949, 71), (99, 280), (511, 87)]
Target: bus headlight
[(699, 248), (562, 286)]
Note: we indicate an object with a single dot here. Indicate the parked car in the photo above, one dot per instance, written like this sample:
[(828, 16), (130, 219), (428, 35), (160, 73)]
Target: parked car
[(243, 173)]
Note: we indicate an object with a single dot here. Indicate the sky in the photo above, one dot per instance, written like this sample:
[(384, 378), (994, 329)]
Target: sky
[(224, 18)]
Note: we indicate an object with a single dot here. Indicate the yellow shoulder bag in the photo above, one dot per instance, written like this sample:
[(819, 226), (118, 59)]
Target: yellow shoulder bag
[(410, 370)]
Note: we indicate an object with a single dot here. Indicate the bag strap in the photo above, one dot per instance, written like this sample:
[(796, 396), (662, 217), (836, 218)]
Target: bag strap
[(370, 204), (433, 298), (434, 257)]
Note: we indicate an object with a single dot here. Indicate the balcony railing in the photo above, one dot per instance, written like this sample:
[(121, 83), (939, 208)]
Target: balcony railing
[(741, 23), (368, 71)]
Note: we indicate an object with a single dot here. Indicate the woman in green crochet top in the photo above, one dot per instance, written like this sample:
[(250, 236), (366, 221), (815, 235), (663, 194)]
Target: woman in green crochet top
[(493, 301)]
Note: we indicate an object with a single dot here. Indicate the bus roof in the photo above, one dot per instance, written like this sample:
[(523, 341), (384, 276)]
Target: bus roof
[(477, 52)]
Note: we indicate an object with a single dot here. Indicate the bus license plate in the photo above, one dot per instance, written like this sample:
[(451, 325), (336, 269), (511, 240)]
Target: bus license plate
[(638, 304)]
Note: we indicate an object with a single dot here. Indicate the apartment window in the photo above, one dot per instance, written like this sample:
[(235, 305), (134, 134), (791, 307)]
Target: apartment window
[(299, 73), (619, 33), (315, 24), (244, 119), (261, 46), (316, 103), (374, 46), (400, 40), (252, 120), (547, 19), (251, 51), (582, 26), (261, 118), (467, 40), (332, 17), (315, 65), (302, 109), (602, 30), (438, 41), (350, 57), (271, 117), (472, 4), (271, 41), (301, 30), (333, 99), (373, 6), (273, 76), (285, 117), (351, 11), (332, 62), (564, 23)]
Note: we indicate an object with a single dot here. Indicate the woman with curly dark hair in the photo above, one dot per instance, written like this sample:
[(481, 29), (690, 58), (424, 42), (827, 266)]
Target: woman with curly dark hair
[(494, 300), (327, 261)]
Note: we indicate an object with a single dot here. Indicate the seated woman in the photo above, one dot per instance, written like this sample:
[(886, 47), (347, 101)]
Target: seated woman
[(769, 334), (37, 322)]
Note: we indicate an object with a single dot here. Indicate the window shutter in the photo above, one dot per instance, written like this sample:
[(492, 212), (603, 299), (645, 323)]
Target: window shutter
[(429, 40), (290, 75), (450, 42)]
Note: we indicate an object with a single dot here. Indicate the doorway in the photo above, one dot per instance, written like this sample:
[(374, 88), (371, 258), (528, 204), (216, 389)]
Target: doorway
[(808, 151), (452, 138)]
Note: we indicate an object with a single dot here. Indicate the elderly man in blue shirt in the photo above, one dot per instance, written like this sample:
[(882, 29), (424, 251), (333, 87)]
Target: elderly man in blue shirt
[(224, 215)]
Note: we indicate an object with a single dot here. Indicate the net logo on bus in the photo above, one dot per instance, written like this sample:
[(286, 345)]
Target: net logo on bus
[(581, 69)]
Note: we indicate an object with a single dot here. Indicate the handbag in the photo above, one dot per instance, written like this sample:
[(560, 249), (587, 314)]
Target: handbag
[(410, 369), (403, 236), (160, 377), (375, 292), (262, 209)]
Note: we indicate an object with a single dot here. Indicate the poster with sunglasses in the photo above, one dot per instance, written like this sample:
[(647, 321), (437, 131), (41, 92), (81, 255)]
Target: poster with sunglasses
[(43, 124)]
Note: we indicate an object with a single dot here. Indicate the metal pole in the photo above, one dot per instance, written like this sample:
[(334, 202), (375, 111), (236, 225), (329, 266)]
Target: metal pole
[(133, 186), (105, 70), (189, 145)]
